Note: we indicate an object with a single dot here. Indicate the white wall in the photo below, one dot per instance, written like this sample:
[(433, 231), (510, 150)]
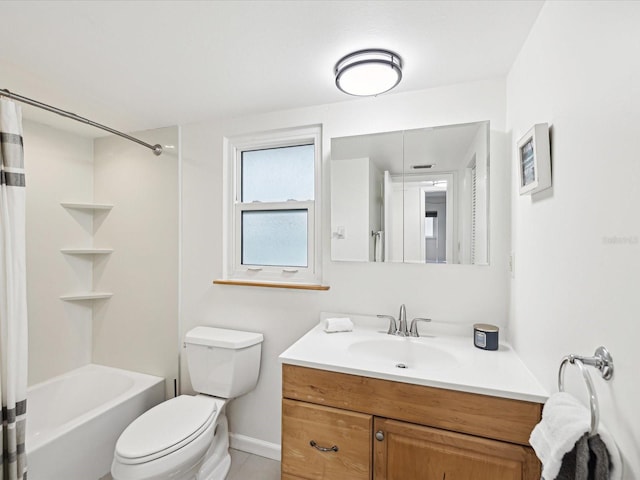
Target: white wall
[(577, 268), (413, 226), (59, 167), (460, 294), (394, 223), (350, 209), (137, 328)]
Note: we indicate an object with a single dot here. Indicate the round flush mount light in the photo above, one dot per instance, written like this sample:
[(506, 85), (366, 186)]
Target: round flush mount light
[(367, 73)]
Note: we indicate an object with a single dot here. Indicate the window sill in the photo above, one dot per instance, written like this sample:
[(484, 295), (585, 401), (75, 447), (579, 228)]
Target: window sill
[(295, 286)]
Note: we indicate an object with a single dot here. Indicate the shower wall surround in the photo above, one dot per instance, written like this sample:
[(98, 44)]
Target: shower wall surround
[(59, 168), (137, 328)]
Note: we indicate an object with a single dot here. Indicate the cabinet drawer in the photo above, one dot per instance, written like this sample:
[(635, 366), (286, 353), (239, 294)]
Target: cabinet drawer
[(349, 432)]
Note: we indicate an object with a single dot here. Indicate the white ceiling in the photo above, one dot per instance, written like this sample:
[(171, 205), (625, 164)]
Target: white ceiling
[(137, 65)]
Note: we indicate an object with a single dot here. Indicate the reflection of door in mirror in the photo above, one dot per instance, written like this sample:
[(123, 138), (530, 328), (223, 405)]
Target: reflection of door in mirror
[(431, 235), (429, 218), (435, 232)]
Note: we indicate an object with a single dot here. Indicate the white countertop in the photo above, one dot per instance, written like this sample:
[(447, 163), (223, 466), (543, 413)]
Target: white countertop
[(442, 361)]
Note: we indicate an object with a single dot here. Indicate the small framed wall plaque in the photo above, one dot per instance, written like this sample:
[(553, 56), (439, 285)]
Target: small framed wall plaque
[(534, 160)]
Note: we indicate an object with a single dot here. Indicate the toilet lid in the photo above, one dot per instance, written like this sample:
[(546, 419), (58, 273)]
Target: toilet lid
[(166, 428)]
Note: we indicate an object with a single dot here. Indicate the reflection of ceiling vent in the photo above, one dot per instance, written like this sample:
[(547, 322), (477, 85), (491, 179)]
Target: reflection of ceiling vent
[(421, 167)]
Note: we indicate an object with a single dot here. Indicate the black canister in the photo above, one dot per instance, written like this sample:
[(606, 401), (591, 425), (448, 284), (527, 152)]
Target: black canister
[(485, 336)]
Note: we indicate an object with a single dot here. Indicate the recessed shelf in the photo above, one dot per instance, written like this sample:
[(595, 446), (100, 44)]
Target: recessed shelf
[(87, 251), (87, 206), (86, 296)]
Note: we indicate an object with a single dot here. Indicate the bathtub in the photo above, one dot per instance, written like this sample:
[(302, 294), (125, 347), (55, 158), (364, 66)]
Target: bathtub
[(75, 419)]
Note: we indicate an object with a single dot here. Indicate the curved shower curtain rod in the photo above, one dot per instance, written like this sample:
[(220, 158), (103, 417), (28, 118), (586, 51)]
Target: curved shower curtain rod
[(157, 149)]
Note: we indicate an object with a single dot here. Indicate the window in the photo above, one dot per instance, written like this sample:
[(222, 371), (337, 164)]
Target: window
[(273, 218)]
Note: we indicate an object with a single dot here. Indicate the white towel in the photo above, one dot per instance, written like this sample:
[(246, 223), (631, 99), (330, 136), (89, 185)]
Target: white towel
[(564, 421), (338, 324)]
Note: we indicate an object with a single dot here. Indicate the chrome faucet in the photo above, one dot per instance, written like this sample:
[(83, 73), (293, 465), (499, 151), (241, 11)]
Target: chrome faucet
[(399, 328)]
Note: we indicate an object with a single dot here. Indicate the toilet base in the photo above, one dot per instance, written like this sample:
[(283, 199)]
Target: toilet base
[(217, 460)]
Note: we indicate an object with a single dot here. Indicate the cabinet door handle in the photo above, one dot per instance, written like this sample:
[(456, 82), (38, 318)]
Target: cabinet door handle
[(380, 435), (334, 448)]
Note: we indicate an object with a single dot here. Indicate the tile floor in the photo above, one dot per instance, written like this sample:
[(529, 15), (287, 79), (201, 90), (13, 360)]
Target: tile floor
[(245, 466)]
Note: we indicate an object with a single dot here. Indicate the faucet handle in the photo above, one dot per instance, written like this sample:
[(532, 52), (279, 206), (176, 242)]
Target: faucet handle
[(393, 328), (414, 326)]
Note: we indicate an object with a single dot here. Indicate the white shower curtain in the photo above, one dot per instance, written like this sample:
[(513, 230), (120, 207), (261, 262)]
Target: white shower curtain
[(13, 294)]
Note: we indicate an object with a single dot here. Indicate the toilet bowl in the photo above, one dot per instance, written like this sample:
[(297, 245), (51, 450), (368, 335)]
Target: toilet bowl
[(187, 437)]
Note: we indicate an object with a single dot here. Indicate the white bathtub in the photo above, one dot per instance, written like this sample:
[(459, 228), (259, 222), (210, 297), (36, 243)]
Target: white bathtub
[(74, 420)]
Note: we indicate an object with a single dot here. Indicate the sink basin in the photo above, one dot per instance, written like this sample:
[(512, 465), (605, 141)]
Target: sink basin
[(403, 353)]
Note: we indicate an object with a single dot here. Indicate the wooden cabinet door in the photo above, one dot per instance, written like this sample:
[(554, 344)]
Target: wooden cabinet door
[(325, 443), (410, 451)]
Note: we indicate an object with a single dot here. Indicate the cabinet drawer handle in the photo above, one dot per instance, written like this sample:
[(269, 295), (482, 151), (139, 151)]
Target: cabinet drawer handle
[(323, 449)]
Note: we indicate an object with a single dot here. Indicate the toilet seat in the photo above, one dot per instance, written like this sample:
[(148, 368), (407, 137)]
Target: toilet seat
[(166, 428)]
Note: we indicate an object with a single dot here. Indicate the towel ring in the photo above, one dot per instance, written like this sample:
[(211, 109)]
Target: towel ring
[(593, 399), (603, 361)]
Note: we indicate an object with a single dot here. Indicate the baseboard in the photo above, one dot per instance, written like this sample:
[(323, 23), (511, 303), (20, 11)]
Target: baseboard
[(255, 446)]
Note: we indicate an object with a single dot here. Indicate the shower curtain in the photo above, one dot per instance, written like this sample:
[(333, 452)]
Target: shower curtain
[(13, 294)]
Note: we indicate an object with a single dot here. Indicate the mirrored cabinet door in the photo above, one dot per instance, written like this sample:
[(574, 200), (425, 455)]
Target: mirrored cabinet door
[(412, 196)]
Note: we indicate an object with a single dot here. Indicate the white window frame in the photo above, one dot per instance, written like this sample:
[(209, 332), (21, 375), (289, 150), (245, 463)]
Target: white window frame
[(232, 248)]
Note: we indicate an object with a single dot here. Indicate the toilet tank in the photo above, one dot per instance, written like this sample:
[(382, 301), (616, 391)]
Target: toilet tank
[(223, 363)]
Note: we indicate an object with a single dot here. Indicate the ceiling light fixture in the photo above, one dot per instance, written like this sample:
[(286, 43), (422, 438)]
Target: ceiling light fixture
[(367, 73)]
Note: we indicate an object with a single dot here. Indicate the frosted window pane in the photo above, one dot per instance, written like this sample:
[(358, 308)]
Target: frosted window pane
[(274, 238), (278, 174)]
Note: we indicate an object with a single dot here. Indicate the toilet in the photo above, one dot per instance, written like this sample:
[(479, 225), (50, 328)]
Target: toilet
[(187, 437)]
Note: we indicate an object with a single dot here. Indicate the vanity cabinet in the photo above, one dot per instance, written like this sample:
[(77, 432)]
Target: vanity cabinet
[(387, 430)]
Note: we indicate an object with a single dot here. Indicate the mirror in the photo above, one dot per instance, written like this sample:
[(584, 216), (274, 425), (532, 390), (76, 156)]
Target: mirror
[(413, 196)]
